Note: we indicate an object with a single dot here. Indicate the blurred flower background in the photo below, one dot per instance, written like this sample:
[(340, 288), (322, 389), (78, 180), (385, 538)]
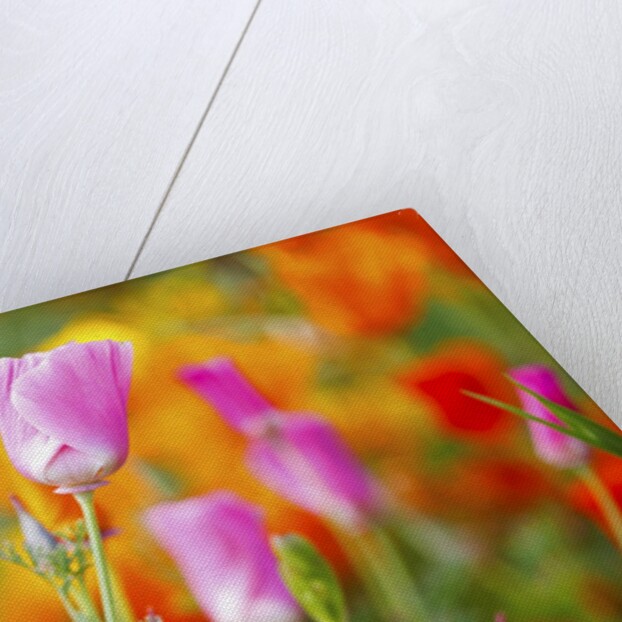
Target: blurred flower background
[(379, 328)]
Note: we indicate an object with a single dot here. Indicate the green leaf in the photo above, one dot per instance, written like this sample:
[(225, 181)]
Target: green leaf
[(310, 579), (163, 479), (474, 315), (576, 421), (577, 425)]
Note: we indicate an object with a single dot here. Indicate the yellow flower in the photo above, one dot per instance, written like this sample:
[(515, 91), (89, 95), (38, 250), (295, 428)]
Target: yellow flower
[(167, 303), (96, 327)]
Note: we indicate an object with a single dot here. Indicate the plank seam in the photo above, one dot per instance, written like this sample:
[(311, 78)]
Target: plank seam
[(193, 138)]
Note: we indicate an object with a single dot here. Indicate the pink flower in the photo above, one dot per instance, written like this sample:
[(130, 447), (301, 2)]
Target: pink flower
[(299, 455), (305, 461), (220, 383), (552, 446), (221, 547), (63, 414)]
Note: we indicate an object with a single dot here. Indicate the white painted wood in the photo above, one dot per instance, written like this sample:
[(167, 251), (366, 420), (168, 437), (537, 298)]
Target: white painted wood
[(98, 102), (500, 121)]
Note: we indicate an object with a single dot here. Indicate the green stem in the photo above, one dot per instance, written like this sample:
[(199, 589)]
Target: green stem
[(85, 499), (402, 584), (359, 559), (386, 579), (84, 601), (607, 504), (73, 614), (124, 611)]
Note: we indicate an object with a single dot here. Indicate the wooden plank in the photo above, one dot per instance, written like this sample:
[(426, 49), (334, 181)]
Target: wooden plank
[(499, 121), (98, 102)]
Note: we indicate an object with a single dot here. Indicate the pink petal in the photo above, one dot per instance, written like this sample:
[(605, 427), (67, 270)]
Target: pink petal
[(77, 394), (10, 370), (69, 467), (221, 547), (552, 446), (219, 382), (20, 438), (305, 460)]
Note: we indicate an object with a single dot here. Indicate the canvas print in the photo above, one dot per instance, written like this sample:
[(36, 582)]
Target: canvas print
[(342, 427)]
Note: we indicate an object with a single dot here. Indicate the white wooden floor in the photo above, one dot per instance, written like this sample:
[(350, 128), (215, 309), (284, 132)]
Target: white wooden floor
[(138, 136)]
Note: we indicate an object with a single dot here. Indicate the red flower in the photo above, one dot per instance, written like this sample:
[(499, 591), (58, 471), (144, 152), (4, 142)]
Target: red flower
[(442, 378)]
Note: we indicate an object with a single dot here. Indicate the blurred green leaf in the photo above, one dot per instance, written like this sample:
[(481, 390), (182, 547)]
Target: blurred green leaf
[(23, 329), (476, 315), (7, 522), (334, 373), (310, 579), (163, 479), (577, 425)]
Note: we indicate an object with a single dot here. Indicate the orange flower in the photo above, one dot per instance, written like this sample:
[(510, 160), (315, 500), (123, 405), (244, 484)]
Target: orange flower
[(28, 597), (489, 488), (360, 278), (609, 470), (458, 366), (409, 222)]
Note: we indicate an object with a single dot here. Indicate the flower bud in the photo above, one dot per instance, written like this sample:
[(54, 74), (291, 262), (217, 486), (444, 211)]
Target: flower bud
[(37, 539), (63, 414)]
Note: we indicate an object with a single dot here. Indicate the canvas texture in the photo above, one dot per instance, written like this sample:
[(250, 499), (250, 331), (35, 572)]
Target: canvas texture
[(346, 426)]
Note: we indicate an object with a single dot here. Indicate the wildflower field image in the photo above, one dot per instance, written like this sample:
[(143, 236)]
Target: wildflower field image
[(346, 426)]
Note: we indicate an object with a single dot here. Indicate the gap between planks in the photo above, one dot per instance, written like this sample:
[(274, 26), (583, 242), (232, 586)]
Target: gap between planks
[(193, 138)]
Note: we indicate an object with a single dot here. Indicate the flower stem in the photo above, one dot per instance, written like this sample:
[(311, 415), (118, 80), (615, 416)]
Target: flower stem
[(386, 579), (73, 614), (402, 583), (358, 557), (85, 499), (123, 609), (607, 504), (83, 599)]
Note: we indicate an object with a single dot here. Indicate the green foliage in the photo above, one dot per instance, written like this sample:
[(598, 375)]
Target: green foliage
[(475, 315), (573, 423), (167, 483), (62, 567), (310, 579), (23, 329)]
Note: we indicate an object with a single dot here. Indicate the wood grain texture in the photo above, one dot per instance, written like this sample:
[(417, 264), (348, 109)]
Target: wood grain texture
[(499, 121), (98, 102)]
